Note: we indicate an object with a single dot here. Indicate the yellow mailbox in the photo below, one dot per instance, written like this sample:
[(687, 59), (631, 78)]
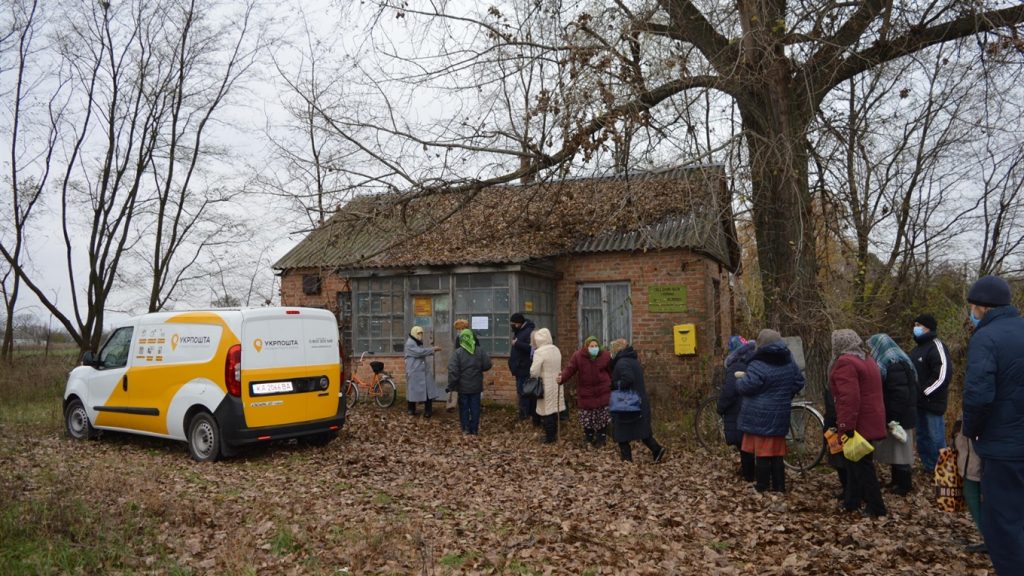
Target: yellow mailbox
[(685, 338)]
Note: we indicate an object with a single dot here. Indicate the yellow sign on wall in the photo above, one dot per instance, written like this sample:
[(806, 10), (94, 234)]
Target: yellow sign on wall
[(422, 305), (528, 306)]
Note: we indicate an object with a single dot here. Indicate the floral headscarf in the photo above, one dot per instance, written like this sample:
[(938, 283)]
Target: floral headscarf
[(887, 352)]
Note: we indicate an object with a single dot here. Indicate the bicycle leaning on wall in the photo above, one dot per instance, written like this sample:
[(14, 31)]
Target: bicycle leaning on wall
[(381, 386)]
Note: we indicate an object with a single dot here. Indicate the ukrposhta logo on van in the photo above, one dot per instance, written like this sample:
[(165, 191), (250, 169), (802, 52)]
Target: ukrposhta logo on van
[(189, 343), (277, 344)]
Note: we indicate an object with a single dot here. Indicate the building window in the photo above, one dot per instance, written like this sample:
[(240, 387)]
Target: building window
[(484, 299), (537, 301), (310, 285), (605, 311), (379, 316)]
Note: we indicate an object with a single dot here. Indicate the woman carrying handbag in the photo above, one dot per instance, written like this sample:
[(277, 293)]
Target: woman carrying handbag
[(547, 361), (628, 374)]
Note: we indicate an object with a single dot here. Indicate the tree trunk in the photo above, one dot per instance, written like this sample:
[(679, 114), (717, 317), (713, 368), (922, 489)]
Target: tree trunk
[(784, 222)]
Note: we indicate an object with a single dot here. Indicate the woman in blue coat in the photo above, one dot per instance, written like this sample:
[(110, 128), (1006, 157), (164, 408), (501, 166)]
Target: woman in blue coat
[(730, 401), (771, 381)]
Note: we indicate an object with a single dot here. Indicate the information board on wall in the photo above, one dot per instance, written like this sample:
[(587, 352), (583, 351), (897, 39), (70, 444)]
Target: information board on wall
[(666, 298), (422, 306)]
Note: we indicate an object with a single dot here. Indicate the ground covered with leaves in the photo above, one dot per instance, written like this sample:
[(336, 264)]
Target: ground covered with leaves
[(402, 495)]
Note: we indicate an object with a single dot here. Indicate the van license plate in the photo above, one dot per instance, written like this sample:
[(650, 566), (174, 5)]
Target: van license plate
[(271, 387)]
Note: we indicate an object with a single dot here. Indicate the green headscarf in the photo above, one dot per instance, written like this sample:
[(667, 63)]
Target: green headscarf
[(467, 341)]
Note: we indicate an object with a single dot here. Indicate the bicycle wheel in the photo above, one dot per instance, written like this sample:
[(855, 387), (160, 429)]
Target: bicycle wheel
[(384, 391), (805, 442), (351, 394), (708, 426)]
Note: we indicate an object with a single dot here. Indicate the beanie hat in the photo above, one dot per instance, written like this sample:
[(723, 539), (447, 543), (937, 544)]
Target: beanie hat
[(928, 321), (767, 336), (416, 332), (735, 342), (517, 318), (989, 291)]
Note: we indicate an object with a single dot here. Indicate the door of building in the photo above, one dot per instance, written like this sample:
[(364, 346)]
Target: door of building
[(433, 313)]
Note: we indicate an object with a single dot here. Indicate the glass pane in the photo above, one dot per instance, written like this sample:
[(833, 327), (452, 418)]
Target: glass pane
[(397, 330), (362, 303), (462, 281), (361, 345), (462, 301), (619, 311), (499, 279), (397, 305), (590, 297), (483, 301), (591, 324), (482, 280), (500, 303), (500, 327)]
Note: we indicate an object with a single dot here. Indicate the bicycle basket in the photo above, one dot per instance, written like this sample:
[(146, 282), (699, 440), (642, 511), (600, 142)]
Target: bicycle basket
[(377, 367)]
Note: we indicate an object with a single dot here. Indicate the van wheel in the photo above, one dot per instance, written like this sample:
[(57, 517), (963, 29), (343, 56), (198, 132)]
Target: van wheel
[(203, 438), (321, 439), (76, 421)]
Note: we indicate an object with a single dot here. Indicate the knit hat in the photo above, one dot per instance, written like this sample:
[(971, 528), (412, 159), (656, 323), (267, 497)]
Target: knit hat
[(768, 336), (928, 321), (989, 291), (735, 342), (416, 332), (616, 346), (846, 341), (517, 318)]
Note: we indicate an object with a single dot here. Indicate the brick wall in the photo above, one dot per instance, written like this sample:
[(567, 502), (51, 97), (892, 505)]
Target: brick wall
[(668, 377)]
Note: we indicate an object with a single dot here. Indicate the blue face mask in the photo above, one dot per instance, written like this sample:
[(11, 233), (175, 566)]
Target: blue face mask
[(594, 352), (974, 319), (918, 331)]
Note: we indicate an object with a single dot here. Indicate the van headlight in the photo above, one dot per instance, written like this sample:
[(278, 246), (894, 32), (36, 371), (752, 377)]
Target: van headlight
[(324, 383)]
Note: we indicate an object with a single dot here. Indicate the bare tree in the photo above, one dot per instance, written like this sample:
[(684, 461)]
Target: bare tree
[(778, 62), (143, 80)]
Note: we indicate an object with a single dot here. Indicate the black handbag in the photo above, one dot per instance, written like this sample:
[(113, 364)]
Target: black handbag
[(533, 388)]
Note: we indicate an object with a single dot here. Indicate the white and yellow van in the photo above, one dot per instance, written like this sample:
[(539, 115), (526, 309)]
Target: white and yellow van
[(216, 379)]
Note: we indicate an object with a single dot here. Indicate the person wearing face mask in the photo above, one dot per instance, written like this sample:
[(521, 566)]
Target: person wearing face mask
[(592, 367), (994, 418), (934, 372)]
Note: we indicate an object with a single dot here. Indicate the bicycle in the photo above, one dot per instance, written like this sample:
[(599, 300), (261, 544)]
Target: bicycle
[(381, 387), (805, 441)]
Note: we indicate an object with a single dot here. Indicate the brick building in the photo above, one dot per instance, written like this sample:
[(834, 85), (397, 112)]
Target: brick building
[(612, 257)]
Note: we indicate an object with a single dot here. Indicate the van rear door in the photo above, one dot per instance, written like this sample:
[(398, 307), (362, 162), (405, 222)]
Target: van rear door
[(279, 385)]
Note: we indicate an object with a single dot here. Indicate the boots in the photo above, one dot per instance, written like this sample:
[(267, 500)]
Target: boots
[(778, 468), (601, 437), (626, 451), (747, 465), (902, 480), (428, 409), (550, 423), (762, 474), (411, 406), (588, 435)]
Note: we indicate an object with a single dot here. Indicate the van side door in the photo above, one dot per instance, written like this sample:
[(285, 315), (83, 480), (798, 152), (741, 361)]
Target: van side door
[(108, 382)]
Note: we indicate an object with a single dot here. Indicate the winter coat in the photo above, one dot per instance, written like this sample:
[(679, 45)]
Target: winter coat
[(466, 371), (729, 399), (419, 375), (547, 360), (899, 394), (628, 374), (934, 372), (994, 386), (519, 357), (856, 386), (593, 378), (772, 380)]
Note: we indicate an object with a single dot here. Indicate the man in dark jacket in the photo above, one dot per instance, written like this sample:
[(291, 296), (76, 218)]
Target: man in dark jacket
[(934, 371), (994, 418), (519, 359)]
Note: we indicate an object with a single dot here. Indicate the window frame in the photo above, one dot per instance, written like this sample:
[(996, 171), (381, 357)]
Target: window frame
[(604, 336)]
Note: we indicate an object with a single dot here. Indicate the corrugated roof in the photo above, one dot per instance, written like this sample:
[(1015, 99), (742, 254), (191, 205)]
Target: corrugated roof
[(685, 207)]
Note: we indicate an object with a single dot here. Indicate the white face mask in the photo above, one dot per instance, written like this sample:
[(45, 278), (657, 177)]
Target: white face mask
[(594, 352)]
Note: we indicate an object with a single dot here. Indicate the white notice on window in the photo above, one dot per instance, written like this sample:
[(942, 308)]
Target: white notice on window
[(479, 323)]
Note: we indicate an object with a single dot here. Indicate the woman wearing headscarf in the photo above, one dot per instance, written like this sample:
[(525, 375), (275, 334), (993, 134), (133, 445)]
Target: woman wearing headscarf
[(856, 386), (466, 370), (420, 385), (771, 381), (730, 401), (547, 361), (592, 367), (628, 374), (899, 394)]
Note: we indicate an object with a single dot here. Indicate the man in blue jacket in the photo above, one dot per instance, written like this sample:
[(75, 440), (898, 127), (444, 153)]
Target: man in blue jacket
[(994, 418)]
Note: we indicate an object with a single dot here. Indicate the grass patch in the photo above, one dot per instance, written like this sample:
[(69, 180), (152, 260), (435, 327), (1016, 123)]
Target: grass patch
[(453, 560), (32, 388), (383, 499), (284, 542)]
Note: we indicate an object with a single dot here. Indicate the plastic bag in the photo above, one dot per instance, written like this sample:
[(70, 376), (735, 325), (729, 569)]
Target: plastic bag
[(856, 447), (897, 432)]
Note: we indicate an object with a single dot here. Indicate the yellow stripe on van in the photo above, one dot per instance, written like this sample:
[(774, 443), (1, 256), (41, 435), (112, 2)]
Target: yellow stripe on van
[(162, 391), (290, 408)]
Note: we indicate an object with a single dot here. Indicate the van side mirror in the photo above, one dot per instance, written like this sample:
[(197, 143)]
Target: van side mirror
[(89, 360)]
